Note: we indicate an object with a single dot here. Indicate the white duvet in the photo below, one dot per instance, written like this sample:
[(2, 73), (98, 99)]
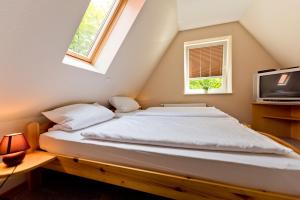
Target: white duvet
[(183, 112), (214, 130)]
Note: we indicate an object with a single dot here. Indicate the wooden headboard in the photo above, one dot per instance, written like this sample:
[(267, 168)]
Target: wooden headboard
[(33, 131)]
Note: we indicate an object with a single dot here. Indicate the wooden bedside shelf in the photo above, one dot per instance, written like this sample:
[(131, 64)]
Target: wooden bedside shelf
[(31, 161), (282, 121), (283, 117)]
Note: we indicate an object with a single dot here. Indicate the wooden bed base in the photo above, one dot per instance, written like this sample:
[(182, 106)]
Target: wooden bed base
[(163, 184)]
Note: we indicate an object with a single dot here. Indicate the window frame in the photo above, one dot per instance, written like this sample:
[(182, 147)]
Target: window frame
[(102, 36), (226, 88)]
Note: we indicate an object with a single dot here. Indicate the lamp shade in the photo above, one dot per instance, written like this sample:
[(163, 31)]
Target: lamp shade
[(13, 143)]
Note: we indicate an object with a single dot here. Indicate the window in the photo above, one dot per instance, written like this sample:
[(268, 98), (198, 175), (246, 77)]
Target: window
[(95, 26), (207, 66)]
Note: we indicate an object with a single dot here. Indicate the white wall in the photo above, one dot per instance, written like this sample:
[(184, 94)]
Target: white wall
[(166, 84), (275, 24), (34, 36)]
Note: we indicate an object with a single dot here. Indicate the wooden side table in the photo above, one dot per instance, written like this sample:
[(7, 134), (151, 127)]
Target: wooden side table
[(31, 162)]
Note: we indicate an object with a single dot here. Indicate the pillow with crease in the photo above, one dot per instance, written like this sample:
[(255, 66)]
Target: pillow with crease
[(78, 116), (124, 104)]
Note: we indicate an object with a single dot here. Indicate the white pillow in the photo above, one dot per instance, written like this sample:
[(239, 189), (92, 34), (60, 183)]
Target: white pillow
[(124, 104), (78, 116)]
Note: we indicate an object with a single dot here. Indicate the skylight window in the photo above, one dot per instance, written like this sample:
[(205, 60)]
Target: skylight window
[(94, 29)]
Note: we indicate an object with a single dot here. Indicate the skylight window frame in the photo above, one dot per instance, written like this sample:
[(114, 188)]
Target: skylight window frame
[(103, 34)]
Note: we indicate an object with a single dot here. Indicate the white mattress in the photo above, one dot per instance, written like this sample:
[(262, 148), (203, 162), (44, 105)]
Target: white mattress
[(260, 171)]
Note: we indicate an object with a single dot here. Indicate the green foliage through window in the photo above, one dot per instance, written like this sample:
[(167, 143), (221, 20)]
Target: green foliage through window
[(206, 83), (90, 26)]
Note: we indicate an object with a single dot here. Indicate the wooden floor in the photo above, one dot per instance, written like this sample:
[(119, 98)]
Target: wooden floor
[(58, 186)]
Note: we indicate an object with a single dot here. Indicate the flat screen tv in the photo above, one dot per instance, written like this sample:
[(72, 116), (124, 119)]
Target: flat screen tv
[(278, 85)]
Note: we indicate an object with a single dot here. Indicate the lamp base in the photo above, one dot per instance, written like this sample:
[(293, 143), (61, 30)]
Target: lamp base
[(13, 159)]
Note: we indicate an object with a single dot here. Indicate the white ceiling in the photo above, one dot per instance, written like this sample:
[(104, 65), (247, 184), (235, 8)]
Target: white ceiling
[(275, 24), (201, 13)]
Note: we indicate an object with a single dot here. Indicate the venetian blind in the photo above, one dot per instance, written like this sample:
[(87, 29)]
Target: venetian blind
[(206, 61)]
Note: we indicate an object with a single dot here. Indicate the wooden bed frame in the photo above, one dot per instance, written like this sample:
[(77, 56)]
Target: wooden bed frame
[(162, 184)]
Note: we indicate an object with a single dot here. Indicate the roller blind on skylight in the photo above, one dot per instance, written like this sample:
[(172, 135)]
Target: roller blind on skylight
[(206, 61)]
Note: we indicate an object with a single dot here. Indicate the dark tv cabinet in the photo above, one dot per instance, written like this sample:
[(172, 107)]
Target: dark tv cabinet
[(281, 120)]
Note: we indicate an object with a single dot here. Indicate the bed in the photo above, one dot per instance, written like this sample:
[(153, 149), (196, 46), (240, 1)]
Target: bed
[(179, 173)]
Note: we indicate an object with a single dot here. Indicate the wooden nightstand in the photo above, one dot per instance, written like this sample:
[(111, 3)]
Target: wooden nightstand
[(31, 162)]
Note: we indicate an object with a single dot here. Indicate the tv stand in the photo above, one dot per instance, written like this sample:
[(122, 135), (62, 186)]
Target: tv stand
[(281, 120), (281, 102)]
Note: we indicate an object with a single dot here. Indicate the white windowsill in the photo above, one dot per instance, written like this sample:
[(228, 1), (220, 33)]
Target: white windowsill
[(201, 92), (213, 93), (68, 60)]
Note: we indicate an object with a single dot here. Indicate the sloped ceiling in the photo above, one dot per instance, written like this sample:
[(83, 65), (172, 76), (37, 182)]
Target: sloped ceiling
[(275, 24), (201, 13), (34, 36)]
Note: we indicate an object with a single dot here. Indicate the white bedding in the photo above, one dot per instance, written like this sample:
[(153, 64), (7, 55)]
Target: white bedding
[(196, 128), (183, 112)]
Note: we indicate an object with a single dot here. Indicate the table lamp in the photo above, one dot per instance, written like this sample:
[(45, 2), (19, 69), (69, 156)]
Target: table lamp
[(13, 147)]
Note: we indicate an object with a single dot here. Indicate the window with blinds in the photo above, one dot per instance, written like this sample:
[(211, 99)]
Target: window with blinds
[(207, 66), (206, 61)]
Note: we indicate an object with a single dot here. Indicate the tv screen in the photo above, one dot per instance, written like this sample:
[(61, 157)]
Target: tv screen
[(280, 86)]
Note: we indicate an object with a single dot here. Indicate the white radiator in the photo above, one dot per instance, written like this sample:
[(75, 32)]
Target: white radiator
[(184, 105)]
